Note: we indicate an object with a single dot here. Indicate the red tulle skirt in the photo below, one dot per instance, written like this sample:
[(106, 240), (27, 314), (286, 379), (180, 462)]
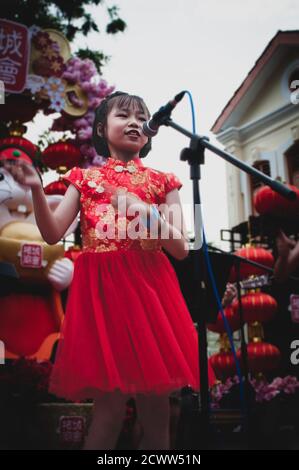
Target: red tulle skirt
[(127, 328)]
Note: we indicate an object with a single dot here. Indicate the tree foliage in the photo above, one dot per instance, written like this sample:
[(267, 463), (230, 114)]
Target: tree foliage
[(68, 16)]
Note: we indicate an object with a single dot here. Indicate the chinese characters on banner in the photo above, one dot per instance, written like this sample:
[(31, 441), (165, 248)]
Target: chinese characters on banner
[(71, 429), (14, 55), (31, 255)]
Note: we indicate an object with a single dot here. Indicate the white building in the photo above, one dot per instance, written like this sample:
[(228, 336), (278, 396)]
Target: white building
[(260, 123)]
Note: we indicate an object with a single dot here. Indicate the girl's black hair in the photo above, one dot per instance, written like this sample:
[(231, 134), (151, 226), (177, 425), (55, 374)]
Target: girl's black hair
[(121, 99)]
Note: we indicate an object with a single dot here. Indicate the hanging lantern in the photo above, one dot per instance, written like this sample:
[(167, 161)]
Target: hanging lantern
[(18, 107), (232, 318), (223, 364), (56, 187), (61, 154), (257, 307), (269, 202), (258, 255), (262, 357)]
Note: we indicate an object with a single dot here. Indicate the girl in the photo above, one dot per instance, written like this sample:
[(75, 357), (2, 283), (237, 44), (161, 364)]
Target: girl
[(127, 331)]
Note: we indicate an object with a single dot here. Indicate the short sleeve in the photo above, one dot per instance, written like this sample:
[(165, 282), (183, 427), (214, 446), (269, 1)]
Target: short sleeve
[(75, 177), (171, 182)]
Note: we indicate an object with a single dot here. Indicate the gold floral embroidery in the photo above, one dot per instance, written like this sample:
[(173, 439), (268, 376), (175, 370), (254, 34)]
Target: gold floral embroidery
[(138, 178), (147, 184)]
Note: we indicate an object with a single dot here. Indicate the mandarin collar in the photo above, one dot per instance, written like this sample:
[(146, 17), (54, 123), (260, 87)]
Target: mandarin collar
[(113, 162)]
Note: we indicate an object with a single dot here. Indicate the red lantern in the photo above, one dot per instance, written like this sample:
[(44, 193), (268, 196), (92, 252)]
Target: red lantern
[(268, 202), (18, 107), (223, 364), (262, 357), (256, 306), (19, 143), (56, 187), (259, 255), (232, 318), (61, 154)]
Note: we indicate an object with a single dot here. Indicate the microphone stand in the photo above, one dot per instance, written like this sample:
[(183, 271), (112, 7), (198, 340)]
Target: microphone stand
[(194, 155)]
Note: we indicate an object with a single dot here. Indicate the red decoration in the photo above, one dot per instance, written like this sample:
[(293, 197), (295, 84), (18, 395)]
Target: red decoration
[(262, 357), (259, 255), (257, 306), (56, 187), (19, 143), (61, 154), (223, 364), (14, 51), (20, 108), (232, 317), (12, 153), (268, 202), (71, 429), (41, 40), (31, 255), (73, 252)]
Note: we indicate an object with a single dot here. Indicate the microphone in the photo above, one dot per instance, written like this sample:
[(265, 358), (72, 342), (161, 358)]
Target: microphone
[(151, 127)]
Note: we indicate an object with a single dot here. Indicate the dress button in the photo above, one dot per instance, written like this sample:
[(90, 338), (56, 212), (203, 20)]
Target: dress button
[(131, 168), (92, 184), (119, 168), (100, 189)]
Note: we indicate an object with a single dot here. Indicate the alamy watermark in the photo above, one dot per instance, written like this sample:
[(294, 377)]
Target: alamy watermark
[(294, 97), (2, 92), (134, 222), (294, 357), (2, 353)]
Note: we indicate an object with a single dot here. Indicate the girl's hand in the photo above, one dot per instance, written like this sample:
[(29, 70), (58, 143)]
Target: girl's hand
[(23, 173), (284, 244), (122, 199)]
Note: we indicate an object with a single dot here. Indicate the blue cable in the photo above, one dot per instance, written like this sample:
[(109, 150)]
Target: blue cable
[(214, 286)]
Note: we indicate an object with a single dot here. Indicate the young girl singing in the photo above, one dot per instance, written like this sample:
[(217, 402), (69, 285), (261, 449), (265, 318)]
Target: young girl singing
[(127, 330)]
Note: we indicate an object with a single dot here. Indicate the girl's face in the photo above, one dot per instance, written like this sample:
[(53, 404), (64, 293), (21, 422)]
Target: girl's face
[(124, 130)]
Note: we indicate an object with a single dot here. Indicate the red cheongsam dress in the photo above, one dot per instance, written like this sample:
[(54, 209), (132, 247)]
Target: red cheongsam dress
[(127, 326)]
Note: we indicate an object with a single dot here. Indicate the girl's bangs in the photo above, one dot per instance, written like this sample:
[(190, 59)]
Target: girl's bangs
[(130, 102)]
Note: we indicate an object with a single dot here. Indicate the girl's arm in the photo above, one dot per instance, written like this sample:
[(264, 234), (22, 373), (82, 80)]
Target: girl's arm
[(53, 225), (172, 229)]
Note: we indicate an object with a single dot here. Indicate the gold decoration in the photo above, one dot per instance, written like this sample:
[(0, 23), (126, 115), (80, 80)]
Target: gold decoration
[(69, 107), (17, 129), (64, 45), (13, 235), (224, 343), (255, 332)]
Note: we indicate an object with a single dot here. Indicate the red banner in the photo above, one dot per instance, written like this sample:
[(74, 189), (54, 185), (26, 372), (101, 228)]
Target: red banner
[(14, 55)]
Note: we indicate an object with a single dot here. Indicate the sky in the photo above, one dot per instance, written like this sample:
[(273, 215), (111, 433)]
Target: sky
[(204, 46)]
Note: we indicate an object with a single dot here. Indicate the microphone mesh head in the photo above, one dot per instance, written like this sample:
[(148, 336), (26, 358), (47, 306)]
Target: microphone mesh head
[(149, 131)]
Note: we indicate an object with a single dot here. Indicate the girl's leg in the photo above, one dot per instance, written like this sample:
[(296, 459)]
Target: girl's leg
[(107, 421), (153, 412)]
